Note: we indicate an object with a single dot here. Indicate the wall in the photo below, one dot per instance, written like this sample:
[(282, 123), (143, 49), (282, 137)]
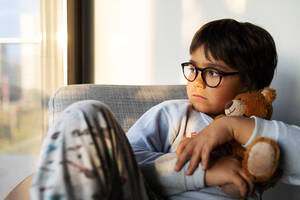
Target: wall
[(144, 42)]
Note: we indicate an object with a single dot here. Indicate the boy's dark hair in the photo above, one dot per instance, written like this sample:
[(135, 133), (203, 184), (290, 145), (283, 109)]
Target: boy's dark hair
[(245, 47)]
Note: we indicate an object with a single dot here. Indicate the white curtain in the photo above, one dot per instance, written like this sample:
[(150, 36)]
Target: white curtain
[(53, 48)]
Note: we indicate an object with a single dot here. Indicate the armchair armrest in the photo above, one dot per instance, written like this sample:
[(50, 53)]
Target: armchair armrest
[(21, 191)]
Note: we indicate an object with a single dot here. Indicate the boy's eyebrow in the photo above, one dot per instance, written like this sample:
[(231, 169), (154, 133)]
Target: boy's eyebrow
[(218, 66)]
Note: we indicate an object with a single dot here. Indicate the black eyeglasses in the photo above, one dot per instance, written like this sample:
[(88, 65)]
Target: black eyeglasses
[(210, 75)]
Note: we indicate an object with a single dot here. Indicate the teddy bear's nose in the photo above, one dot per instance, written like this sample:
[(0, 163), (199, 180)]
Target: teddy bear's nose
[(228, 105)]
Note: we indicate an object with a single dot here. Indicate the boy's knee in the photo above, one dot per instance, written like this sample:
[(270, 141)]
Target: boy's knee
[(81, 117)]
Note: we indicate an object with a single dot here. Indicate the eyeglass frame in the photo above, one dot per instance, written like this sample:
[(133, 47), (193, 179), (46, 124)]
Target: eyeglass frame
[(202, 74)]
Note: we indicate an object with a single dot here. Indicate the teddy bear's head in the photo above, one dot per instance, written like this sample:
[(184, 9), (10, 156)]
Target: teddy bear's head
[(258, 103)]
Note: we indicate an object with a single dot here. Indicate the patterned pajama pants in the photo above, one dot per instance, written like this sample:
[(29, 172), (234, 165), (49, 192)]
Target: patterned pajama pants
[(86, 155)]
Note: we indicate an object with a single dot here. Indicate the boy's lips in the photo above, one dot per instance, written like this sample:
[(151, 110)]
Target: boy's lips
[(199, 96)]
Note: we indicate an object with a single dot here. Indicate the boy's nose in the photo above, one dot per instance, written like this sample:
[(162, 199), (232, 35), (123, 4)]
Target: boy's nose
[(199, 82)]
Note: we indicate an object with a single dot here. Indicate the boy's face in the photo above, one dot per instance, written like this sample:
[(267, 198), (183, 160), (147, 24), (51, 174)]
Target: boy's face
[(212, 100)]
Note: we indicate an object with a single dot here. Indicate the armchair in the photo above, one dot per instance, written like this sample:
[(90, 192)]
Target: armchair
[(128, 103)]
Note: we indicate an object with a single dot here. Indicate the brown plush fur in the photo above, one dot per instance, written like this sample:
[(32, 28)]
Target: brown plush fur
[(257, 104)]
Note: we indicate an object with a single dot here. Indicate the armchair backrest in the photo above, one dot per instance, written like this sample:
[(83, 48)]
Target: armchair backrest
[(127, 102)]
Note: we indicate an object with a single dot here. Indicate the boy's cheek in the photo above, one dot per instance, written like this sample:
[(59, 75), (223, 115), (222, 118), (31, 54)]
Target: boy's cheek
[(192, 89)]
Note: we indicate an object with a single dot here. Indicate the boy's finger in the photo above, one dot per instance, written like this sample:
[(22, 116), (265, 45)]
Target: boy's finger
[(179, 149), (250, 184), (180, 162), (181, 146), (194, 162), (241, 184), (182, 159), (205, 157)]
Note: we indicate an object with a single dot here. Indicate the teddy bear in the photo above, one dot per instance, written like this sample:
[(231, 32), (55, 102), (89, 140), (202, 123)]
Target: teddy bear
[(260, 159)]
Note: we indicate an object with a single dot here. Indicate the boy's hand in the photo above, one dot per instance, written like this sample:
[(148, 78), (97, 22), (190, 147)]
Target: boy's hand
[(227, 170), (200, 146), (217, 133)]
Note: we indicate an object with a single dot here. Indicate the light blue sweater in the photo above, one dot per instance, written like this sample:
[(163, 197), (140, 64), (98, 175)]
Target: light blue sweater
[(156, 135)]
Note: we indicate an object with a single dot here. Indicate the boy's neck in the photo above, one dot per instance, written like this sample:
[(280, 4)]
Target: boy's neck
[(211, 115)]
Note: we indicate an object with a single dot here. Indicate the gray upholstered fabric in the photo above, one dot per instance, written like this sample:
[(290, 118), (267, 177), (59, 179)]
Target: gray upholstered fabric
[(127, 102)]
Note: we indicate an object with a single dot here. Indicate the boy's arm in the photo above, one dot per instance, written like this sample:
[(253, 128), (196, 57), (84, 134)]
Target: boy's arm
[(161, 176), (245, 130), (150, 143)]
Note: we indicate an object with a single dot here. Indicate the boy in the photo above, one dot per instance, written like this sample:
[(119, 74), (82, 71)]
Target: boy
[(227, 58), (86, 154)]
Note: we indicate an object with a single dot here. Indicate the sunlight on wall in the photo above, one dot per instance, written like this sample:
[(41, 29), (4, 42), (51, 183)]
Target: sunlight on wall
[(237, 6), (190, 12), (123, 42)]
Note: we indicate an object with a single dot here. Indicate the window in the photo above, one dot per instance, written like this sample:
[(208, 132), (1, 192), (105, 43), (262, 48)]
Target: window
[(29, 73)]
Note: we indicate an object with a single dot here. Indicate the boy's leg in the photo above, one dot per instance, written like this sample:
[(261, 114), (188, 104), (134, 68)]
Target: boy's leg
[(86, 155)]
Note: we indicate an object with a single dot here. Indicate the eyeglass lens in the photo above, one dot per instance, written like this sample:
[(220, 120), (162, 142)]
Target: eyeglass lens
[(210, 76)]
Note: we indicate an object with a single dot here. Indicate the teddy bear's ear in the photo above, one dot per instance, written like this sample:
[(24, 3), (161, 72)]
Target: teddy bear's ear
[(269, 94)]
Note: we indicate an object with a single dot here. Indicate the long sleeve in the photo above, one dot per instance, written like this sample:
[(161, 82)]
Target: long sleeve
[(150, 139), (288, 139)]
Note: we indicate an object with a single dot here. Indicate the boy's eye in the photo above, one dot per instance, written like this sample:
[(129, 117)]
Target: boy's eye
[(192, 69), (213, 73)]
